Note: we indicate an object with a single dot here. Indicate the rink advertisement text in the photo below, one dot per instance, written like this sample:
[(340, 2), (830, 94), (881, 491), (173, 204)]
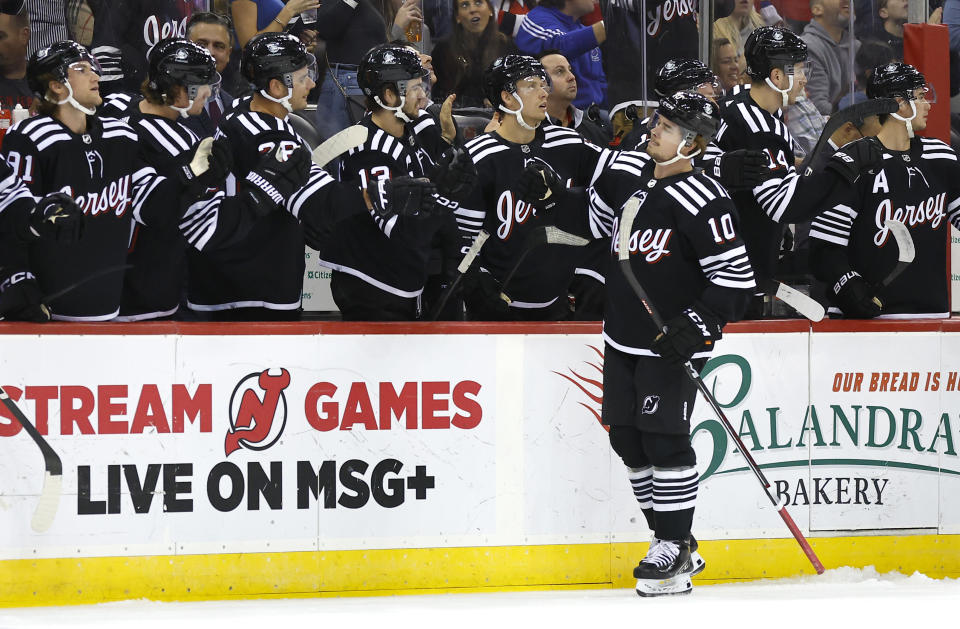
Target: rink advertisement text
[(228, 486)]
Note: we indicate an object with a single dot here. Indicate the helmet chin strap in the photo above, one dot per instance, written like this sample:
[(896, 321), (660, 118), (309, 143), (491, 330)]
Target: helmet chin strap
[(518, 113), (73, 101), (908, 121), (183, 110), (785, 94), (397, 111), (285, 100), (678, 156)]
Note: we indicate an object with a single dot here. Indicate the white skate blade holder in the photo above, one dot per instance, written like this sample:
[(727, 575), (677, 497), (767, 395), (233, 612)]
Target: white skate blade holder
[(679, 584)]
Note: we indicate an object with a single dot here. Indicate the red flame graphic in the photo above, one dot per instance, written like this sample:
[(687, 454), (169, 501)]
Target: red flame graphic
[(592, 387)]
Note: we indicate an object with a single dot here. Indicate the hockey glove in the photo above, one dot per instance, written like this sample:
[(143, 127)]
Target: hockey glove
[(56, 217), (404, 196), (482, 295), (278, 175), (20, 297), (685, 335), (209, 165), (855, 158), (454, 174), (538, 185), (856, 297), (743, 168)]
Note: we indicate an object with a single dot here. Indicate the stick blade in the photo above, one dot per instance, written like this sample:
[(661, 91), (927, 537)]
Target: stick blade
[(49, 500), (805, 305), (351, 137)]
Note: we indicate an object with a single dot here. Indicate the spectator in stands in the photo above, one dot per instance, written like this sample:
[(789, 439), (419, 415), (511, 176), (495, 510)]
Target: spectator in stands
[(828, 38), (252, 17), (893, 14), (349, 28), (725, 63), (405, 18), (737, 26), (212, 32), (872, 53), (554, 24), (511, 13), (460, 59), (48, 21), (951, 17), (563, 91), (14, 40)]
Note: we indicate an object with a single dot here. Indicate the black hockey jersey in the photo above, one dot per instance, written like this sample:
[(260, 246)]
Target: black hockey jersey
[(389, 253), (125, 30), (253, 266), (765, 209), (158, 253), (685, 249), (919, 187), (103, 171), (544, 275), (671, 34)]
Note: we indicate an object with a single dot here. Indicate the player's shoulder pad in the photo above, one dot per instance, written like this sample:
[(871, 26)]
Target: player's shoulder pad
[(937, 149), (424, 120), (118, 104), (115, 128), (631, 162), (254, 124), (39, 132), (168, 135), (697, 191), (379, 141), (555, 135), (483, 146)]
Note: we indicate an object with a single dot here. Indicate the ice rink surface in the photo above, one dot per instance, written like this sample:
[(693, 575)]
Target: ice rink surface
[(845, 597)]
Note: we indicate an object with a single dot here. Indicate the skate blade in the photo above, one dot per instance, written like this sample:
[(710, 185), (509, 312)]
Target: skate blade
[(697, 563), (679, 584)]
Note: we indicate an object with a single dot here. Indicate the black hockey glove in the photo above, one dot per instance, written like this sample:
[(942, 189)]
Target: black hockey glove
[(743, 168), (686, 334), (278, 175), (56, 217), (855, 158), (482, 295), (208, 166), (856, 297), (20, 297), (404, 196), (454, 174), (538, 185)]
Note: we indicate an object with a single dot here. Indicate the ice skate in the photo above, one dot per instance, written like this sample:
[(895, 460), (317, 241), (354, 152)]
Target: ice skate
[(665, 570)]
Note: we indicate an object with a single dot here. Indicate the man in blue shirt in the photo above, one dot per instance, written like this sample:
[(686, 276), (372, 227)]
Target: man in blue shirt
[(554, 24)]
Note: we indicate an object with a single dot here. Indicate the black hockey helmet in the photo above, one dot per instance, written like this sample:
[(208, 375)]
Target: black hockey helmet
[(678, 75), (504, 72), (693, 112), (895, 79), (770, 47), (387, 65), (274, 56), (177, 61), (55, 60)]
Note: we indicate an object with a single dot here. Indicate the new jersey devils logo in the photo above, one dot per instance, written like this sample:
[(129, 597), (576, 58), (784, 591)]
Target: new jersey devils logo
[(650, 405), (257, 423)]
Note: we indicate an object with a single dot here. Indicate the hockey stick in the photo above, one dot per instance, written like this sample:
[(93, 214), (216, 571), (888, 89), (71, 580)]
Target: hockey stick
[(906, 250), (542, 235), (872, 107), (462, 268), (803, 304), (105, 271), (626, 223), (338, 144), (53, 469)]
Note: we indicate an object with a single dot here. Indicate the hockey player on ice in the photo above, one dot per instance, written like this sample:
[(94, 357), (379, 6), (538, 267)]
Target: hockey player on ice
[(686, 251), (95, 161), (916, 181)]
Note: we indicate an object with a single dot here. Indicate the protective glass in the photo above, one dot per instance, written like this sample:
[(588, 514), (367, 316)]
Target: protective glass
[(927, 93)]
